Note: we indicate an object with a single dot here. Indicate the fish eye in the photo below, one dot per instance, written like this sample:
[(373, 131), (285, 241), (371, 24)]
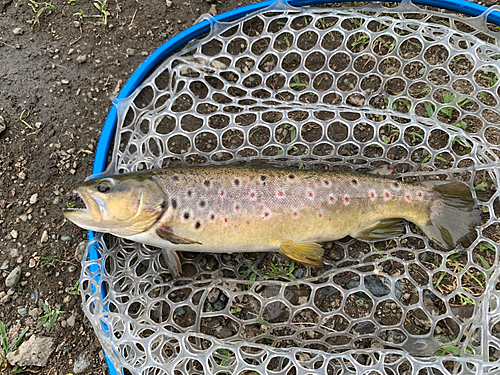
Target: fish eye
[(104, 186)]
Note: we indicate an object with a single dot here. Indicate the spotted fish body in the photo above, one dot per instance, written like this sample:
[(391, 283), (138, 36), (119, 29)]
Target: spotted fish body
[(249, 209)]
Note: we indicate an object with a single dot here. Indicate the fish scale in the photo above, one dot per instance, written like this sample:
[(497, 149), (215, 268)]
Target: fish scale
[(263, 208)]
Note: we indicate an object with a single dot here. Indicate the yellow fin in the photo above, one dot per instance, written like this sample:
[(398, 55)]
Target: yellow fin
[(309, 253), (380, 230)]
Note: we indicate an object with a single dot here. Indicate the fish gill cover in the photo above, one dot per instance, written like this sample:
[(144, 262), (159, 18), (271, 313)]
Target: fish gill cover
[(327, 88)]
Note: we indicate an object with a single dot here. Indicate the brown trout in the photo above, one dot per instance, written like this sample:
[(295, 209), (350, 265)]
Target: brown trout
[(229, 209)]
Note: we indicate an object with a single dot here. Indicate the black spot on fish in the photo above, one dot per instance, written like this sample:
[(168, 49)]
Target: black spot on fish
[(175, 178), (197, 225), (174, 204), (327, 183), (236, 182), (163, 204), (203, 204), (186, 215), (396, 185), (189, 192), (291, 177), (354, 182), (206, 183), (263, 178), (212, 217)]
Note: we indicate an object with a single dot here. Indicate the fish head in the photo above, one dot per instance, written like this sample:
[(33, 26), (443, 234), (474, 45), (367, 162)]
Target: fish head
[(122, 205)]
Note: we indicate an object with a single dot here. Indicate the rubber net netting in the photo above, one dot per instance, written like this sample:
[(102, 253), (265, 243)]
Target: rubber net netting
[(332, 88)]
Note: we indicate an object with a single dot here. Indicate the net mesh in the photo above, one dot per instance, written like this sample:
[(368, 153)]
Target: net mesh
[(329, 88)]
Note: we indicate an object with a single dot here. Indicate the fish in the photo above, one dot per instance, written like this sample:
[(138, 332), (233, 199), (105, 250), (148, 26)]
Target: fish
[(255, 208)]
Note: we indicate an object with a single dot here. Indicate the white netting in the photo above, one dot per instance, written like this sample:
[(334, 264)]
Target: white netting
[(338, 88)]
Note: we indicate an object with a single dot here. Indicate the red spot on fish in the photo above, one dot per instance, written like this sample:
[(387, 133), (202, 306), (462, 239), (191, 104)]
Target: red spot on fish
[(310, 194), (387, 195), (295, 214), (320, 216), (372, 194), (279, 193), (225, 220), (252, 195), (362, 212), (236, 207), (248, 223), (189, 192), (266, 214), (408, 197), (419, 194), (346, 200), (331, 199), (221, 193)]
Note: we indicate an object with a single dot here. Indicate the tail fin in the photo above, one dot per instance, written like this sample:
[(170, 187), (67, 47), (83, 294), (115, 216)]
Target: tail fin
[(452, 215)]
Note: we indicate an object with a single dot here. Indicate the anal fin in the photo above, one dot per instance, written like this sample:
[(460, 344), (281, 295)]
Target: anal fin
[(380, 230), (309, 253), (167, 234)]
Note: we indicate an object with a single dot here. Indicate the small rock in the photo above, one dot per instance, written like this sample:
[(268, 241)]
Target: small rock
[(34, 352), (13, 252), (17, 31), (23, 217), (2, 124), (71, 269), (80, 250), (76, 23), (130, 51), (35, 313), (45, 236), (56, 200), (64, 81), (22, 175), (66, 238), (71, 321), (163, 36), (4, 265), (169, 3), (81, 59), (32, 263), (213, 10), (13, 277), (14, 233), (82, 363), (23, 312), (34, 198)]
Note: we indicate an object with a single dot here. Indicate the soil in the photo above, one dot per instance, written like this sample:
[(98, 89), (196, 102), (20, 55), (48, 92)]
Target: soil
[(60, 68)]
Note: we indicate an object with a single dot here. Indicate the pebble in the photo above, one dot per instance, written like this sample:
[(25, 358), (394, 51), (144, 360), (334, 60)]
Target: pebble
[(163, 36), (130, 51), (81, 59), (35, 313), (14, 233), (56, 200), (5, 265), (66, 238), (23, 217), (34, 352), (32, 263), (76, 23), (71, 269), (22, 175), (13, 252), (64, 81), (82, 363), (13, 277), (23, 312), (45, 236), (71, 321), (34, 198), (80, 250), (17, 31)]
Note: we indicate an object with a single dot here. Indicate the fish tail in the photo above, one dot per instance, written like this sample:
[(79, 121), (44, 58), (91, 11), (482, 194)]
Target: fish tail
[(452, 216)]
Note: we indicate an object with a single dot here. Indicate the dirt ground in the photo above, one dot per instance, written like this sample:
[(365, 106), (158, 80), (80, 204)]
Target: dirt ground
[(60, 63)]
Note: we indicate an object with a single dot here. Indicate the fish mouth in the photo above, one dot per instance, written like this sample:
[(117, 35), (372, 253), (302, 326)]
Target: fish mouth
[(84, 216)]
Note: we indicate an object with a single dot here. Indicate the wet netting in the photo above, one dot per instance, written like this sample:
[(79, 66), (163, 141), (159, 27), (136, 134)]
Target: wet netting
[(326, 88)]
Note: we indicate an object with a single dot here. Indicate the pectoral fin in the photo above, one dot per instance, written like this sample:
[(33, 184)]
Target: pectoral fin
[(380, 230), (173, 261), (166, 233), (309, 253)]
